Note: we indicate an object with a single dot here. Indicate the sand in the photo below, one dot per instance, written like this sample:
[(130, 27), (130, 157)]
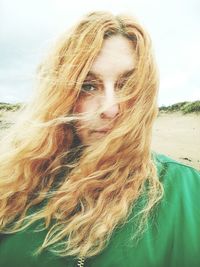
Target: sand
[(178, 136)]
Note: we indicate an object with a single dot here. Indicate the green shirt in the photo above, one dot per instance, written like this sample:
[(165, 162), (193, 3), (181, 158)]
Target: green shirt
[(172, 238)]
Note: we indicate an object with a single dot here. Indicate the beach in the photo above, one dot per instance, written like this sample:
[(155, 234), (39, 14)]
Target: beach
[(178, 136)]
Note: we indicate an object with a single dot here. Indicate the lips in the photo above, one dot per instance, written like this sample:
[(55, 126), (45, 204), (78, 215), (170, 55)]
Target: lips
[(104, 130), (101, 131)]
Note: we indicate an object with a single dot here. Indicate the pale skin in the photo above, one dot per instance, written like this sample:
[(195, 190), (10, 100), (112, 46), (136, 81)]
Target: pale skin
[(115, 61)]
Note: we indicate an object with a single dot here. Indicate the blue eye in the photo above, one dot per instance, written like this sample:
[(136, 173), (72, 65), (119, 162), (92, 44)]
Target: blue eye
[(88, 87)]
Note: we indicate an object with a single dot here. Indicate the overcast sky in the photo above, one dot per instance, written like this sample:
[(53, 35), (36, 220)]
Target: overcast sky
[(29, 27)]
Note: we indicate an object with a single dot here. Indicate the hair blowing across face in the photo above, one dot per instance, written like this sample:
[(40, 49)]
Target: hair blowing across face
[(83, 192)]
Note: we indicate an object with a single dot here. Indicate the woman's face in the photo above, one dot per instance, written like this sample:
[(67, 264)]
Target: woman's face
[(112, 66)]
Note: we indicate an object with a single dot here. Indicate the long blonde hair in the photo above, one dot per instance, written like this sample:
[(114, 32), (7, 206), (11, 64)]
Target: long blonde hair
[(83, 193)]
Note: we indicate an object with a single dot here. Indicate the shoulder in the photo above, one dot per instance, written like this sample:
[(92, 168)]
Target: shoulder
[(172, 171), (181, 184)]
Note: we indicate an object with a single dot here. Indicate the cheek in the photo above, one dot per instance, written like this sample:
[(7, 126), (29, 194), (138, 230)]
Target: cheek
[(82, 126), (78, 108), (86, 104)]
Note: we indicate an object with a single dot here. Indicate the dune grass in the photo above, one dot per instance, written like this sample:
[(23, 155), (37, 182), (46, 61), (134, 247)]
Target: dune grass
[(184, 107), (9, 107)]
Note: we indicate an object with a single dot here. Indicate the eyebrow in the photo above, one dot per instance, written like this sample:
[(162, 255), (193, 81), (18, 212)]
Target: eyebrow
[(96, 75), (127, 73)]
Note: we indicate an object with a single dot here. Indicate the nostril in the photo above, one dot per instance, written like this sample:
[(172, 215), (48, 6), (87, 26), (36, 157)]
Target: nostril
[(110, 112)]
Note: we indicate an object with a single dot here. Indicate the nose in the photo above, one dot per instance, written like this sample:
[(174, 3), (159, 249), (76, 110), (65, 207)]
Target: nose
[(110, 112), (110, 105)]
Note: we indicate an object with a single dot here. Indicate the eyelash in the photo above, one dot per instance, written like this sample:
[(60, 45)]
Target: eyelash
[(93, 87), (121, 83), (85, 85)]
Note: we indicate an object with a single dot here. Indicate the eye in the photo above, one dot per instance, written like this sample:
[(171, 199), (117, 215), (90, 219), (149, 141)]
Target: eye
[(88, 87), (120, 84), (123, 79)]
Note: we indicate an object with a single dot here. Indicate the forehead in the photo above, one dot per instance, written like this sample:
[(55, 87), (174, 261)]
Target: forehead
[(116, 57)]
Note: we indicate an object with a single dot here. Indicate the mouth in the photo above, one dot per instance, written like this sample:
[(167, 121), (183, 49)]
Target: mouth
[(101, 132), (104, 130)]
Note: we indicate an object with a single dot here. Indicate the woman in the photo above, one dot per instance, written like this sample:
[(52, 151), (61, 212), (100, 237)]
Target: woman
[(79, 183)]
